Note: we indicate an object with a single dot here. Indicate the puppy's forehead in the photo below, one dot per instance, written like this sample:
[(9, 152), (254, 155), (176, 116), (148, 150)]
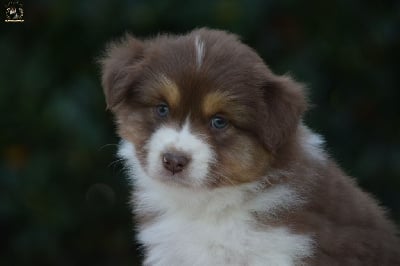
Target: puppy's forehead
[(203, 75), (215, 53)]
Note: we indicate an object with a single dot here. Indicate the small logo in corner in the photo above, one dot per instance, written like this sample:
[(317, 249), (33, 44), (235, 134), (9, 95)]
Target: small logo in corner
[(14, 12)]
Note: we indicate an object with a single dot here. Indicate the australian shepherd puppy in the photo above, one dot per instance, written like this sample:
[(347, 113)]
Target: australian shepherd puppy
[(223, 169)]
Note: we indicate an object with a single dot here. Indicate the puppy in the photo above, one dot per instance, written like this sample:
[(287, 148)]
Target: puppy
[(223, 169)]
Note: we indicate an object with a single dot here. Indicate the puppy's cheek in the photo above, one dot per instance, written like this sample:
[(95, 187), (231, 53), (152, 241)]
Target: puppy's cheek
[(132, 129), (127, 133), (202, 159), (156, 145), (242, 162)]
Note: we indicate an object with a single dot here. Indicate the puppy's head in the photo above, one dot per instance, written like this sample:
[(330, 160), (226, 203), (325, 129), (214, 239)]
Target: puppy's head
[(202, 109)]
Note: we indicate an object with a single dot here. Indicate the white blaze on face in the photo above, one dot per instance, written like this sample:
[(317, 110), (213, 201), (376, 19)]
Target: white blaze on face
[(167, 139), (200, 49)]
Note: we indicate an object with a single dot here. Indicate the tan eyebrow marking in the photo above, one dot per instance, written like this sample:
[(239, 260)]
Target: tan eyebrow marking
[(169, 90), (213, 102), (225, 103), (219, 101)]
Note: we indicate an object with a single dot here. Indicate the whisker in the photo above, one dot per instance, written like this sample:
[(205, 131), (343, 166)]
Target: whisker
[(113, 163), (107, 145)]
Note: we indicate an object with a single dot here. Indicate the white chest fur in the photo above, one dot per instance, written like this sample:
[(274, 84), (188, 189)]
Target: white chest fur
[(218, 229), (175, 241)]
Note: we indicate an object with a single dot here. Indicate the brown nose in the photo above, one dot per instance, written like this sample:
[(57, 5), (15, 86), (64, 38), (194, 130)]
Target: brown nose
[(174, 162)]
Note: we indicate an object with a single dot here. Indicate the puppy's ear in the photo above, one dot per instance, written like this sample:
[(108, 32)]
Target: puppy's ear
[(120, 66), (285, 102)]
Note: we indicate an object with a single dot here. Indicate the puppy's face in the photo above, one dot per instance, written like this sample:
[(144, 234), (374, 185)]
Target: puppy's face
[(202, 110)]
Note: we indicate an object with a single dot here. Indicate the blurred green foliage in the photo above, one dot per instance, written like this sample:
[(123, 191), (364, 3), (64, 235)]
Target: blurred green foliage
[(63, 196)]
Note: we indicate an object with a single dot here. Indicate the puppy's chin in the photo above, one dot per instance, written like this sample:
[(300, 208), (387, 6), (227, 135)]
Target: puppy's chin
[(181, 179)]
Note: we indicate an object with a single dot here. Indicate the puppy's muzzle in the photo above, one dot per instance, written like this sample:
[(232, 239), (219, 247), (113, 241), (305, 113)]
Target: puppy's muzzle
[(175, 162)]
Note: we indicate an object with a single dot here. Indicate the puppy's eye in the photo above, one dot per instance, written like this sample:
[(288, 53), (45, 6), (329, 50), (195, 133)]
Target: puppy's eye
[(218, 122), (162, 110)]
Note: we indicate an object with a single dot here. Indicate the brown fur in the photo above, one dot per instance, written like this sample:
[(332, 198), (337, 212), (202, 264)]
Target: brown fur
[(264, 136)]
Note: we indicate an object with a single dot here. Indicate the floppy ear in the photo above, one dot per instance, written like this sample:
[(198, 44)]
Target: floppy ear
[(285, 104), (119, 67)]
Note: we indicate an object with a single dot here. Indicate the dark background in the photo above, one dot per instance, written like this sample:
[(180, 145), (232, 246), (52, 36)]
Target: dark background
[(62, 199)]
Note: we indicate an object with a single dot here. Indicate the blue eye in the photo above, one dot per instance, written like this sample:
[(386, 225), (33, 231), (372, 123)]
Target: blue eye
[(218, 122), (162, 110)]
